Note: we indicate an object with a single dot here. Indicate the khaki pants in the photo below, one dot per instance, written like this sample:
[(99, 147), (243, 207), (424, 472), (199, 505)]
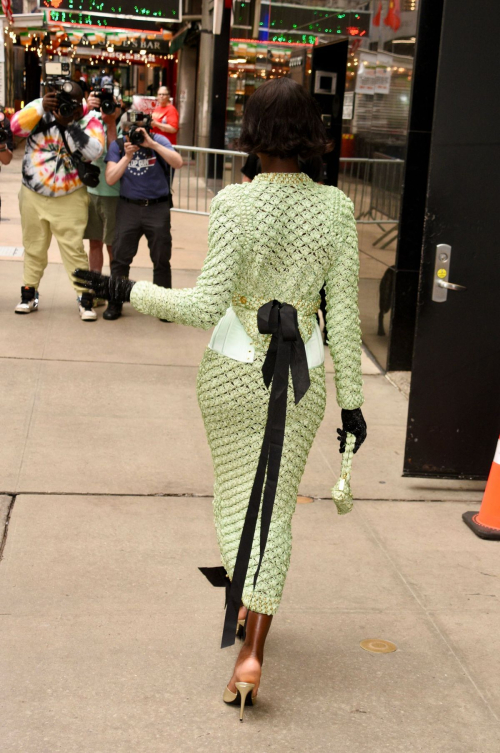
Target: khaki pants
[(44, 216)]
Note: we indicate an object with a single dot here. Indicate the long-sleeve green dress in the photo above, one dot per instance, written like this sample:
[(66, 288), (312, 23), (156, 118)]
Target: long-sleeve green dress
[(280, 237)]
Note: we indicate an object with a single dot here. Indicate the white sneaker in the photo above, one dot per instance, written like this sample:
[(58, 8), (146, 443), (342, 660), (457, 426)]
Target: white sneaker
[(87, 313), (28, 302)]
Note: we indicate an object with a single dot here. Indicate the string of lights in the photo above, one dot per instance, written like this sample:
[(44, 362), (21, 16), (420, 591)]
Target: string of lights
[(36, 41)]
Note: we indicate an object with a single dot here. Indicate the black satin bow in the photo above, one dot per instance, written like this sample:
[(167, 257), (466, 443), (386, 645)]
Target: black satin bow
[(286, 353), (280, 321)]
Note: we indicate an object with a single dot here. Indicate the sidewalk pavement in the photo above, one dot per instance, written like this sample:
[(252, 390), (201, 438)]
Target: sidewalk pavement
[(110, 635)]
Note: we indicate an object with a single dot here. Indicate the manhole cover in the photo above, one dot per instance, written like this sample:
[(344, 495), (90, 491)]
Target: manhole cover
[(378, 646)]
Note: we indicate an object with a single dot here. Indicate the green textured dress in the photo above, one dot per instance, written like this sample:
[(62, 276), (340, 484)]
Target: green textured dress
[(280, 237)]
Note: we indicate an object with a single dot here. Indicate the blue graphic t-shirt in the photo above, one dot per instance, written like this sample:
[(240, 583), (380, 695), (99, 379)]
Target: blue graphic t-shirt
[(145, 176)]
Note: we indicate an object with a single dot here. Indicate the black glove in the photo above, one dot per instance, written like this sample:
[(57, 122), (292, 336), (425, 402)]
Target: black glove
[(354, 423), (116, 289)]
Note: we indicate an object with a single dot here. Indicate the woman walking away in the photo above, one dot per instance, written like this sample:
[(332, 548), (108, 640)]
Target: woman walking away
[(261, 383)]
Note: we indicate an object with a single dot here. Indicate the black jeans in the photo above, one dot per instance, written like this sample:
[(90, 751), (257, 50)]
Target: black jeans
[(134, 221)]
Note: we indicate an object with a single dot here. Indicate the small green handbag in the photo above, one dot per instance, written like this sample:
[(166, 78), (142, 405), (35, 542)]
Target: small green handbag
[(341, 492)]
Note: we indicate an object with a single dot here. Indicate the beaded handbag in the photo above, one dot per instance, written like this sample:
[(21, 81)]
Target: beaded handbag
[(341, 492)]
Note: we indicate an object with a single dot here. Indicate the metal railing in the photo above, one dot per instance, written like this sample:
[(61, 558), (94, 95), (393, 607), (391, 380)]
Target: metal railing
[(205, 172), (374, 185)]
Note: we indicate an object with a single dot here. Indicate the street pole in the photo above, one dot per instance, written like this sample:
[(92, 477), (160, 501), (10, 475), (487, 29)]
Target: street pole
[(220, 68), (205, 71)]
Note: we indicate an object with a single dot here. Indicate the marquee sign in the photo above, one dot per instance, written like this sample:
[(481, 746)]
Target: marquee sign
[(114, 13), (300, 22)]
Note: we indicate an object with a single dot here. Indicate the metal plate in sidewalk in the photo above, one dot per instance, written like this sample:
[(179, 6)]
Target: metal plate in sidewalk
[(378, 646), (11, 251), (304, 500)]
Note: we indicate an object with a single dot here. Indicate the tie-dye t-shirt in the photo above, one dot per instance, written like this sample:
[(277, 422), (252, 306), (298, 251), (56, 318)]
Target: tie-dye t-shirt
[(47, 167)]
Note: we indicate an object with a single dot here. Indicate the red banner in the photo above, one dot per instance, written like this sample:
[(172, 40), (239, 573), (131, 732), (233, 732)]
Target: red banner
[(143, 103), (393, 17)]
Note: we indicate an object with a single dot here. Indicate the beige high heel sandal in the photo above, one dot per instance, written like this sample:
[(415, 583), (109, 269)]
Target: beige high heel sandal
[(244, 691)]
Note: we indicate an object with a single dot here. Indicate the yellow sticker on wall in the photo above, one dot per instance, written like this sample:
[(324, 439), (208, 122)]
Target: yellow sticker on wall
[(441, 273)]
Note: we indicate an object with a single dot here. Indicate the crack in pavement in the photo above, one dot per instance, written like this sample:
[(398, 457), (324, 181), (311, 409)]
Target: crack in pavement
[(196, 495), (5, 531)]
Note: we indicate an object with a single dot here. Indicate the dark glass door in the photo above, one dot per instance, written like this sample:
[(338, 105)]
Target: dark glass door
[(454, 408), (329, 64)]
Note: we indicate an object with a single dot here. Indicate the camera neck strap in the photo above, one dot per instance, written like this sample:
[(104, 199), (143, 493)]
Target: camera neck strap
[(44, 126), (62, 130), (88, 173)]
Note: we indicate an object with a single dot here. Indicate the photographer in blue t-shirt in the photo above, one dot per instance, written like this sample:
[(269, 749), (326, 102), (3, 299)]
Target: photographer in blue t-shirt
[(142, 162)]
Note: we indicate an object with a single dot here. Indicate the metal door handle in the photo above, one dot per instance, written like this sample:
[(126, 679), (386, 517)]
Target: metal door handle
[(450, 285), (440, 286)]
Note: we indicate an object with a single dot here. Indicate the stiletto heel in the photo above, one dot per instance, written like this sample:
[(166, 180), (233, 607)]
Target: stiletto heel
[(244, 691)]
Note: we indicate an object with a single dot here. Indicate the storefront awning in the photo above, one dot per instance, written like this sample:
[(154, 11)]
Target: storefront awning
[(178, 40)]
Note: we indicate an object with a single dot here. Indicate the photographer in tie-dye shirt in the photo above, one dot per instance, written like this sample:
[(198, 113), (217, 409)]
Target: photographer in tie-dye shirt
[(53, 199)]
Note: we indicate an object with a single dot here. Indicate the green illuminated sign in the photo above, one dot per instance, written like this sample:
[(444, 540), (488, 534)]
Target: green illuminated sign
[(287, 22), (113, 12)]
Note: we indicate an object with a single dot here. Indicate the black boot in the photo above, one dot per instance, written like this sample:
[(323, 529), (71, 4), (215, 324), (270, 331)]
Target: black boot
[(114, 311)]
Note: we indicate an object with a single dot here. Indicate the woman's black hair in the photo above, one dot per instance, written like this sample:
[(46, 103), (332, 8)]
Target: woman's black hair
[(281, 119)]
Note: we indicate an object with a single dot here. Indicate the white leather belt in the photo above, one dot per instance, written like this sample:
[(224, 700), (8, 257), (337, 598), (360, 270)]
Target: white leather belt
[(230, 339)]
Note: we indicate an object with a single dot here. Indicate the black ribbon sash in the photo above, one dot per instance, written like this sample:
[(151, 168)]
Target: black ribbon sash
[(286, 353)]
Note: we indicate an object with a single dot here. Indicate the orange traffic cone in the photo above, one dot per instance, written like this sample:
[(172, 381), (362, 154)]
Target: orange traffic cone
[(486, 522)]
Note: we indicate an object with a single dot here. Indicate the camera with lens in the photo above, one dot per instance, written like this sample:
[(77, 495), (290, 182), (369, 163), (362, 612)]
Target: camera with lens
[(58, 78), (105, 95), (138, 120), (4, 132)]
